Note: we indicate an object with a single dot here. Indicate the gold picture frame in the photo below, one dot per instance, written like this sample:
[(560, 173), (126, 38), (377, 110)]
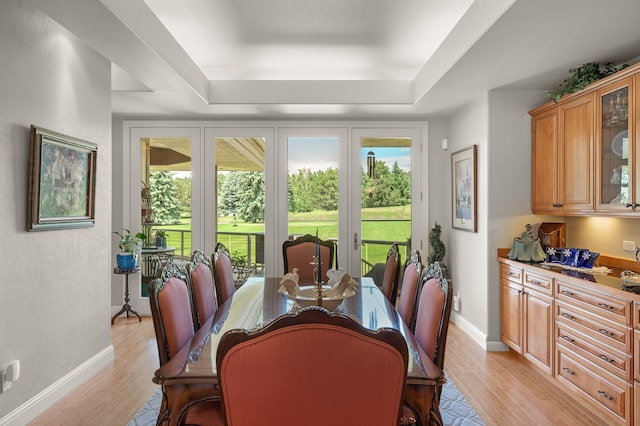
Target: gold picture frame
[(464, 173), (62, 181)]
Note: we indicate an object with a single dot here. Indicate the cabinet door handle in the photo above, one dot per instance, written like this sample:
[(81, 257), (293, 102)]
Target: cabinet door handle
[(567, 293), (605, 306), (606, 332), (606, 358), (565, 369), (566, 315), (536, 282), (511, 274), (567, 338), (604, 395), (629, 205)]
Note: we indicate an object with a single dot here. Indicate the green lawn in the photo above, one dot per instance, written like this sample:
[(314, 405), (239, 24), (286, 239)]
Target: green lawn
[(380, 224)]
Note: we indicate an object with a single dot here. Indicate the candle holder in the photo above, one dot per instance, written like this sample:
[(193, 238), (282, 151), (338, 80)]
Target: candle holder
[(317, 279)]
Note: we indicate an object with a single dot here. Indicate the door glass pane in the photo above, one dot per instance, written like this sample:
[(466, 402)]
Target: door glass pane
[(615, 148), (385, 201), (165, 203), (239, 165), (312, 174)]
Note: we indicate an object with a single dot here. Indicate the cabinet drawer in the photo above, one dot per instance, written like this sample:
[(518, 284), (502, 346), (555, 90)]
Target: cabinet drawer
[(538, 282), (510, 273), (611, 394), (618, 310), (612, 360), (598, 328)]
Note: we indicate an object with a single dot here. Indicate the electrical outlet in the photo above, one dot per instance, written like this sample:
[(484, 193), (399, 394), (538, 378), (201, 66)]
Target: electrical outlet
[(628, 245), (4, 384)]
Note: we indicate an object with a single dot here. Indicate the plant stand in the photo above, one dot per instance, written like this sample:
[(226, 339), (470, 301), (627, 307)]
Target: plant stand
[(126, 308)]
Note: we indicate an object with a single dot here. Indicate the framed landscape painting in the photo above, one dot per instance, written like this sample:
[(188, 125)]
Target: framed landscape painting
[(62, 181), (464, 189)]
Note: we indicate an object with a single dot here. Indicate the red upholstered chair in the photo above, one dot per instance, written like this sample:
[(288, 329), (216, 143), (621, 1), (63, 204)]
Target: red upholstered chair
[(391, 276), (173, 324), (298, 370), (432, 323), (299, 254), (409, 290), (203, 292), (223, 273)]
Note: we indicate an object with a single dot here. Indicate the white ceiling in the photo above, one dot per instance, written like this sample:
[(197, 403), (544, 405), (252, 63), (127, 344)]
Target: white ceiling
[(365, 59)]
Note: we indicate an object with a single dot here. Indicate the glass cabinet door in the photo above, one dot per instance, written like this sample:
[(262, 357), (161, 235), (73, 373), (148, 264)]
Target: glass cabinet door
[(615, 149)]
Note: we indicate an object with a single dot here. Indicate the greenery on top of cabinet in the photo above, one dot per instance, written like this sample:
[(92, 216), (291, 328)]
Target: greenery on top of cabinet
[(583, 76)]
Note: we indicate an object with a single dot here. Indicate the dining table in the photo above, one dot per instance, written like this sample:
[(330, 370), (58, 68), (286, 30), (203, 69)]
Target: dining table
[(191, 377)]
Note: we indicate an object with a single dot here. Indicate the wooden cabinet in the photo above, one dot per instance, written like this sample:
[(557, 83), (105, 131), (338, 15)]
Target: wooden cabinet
[(584, 334), (585, 150), (511, 306), (616, 174), (562, 158), (526, 309), (538, 320), (594, 348)]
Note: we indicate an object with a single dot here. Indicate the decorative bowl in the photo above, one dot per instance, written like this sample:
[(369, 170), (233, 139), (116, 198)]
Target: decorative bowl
[(308, 296)]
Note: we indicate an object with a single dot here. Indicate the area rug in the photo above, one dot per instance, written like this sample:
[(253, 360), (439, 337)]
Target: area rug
[(455, 410)]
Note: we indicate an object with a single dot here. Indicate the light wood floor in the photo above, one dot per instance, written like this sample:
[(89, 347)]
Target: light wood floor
[(502, 387)]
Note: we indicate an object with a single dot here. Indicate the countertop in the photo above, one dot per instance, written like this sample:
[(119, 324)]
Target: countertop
[(609, 282)]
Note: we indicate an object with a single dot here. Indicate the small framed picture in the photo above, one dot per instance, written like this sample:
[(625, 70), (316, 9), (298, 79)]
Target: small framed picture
[(62, 181), (464, 189)]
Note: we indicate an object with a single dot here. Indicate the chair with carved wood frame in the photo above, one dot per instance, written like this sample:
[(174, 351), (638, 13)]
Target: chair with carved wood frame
[(203, 291), (409, 289), (298, 253), (431, 327), (173, 324), (391, 277), (223, 273), (300, 370)]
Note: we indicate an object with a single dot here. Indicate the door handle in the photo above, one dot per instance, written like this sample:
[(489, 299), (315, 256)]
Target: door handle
[(355, 241)]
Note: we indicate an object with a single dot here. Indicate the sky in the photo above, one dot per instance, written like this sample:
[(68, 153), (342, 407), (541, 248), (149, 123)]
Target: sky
[(320, 153)]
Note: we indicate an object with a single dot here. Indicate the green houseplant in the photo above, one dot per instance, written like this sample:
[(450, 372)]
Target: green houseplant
[(583, 76), (129, 244), (161, 238)]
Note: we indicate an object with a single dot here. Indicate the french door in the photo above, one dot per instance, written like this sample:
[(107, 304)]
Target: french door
[(326, 186), (385, 203)]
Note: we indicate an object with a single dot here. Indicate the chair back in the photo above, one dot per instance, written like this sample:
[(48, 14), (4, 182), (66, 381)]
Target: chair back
[(434, 310), (171, 311), (391, 275), (299, 254), (223, 273), (203, 292), (409, 289), (300, 370)]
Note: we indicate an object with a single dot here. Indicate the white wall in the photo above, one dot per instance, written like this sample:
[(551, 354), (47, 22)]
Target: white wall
[(509, 177), (498, 123), (467, 258), (55, 293)]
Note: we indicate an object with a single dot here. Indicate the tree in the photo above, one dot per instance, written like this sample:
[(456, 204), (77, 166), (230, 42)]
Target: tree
[(242, 195), (164, 200), (183, 187)]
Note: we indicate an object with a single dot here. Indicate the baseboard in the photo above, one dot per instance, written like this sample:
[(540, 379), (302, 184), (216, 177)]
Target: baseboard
[(52, 394), (476, 335)]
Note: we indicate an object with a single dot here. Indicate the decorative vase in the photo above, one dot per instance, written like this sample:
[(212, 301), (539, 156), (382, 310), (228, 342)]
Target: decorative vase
[(126, 260)]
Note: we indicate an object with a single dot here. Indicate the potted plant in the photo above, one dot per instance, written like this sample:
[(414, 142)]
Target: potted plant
[(129, 244), (161, 238)]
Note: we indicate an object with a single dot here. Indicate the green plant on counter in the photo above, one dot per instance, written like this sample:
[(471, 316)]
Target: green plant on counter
[(583, 76)]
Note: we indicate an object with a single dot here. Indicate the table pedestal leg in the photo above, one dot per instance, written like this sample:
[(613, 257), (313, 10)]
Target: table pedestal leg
[(126, 307)]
